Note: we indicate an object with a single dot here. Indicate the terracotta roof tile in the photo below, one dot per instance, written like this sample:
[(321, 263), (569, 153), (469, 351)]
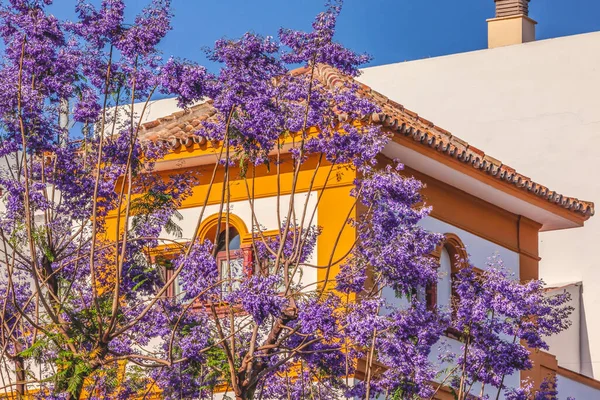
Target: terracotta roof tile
[(151, 124), (410, 113), (178, 129)]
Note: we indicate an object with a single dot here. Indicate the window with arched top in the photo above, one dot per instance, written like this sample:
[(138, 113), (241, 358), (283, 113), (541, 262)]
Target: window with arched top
[(444, 285), (452, 255), (233, 257)]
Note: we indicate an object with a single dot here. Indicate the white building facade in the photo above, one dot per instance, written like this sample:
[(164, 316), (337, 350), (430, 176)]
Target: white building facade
[(535, 106)]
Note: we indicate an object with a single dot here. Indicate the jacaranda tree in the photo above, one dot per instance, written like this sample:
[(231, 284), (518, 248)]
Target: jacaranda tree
[(85, 308)]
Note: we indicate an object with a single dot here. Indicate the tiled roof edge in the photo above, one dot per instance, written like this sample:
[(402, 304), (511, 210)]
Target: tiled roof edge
[(178, 129), (403, 121)]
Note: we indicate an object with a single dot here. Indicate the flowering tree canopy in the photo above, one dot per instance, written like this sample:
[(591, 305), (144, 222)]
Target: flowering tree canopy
[(88, 308)]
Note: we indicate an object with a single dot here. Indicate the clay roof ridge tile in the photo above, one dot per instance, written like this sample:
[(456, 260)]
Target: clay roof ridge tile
[(395, 105), (166, 118), (379, 98), (412, 114), (151, 124), (425, 122), (477, 151), (442, 130), (458, 142), (492, 160)]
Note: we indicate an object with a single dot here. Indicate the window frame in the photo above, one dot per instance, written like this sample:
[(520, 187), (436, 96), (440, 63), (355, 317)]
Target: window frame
[(222, 256), (245, 252), (458, 259)]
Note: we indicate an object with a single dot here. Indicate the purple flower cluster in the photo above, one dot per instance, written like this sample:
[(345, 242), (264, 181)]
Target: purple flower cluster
[(187, 79), (501, 321), (60, 186), (198, 276), (548, 390), (391, 243), (318, 46), (259, 297)]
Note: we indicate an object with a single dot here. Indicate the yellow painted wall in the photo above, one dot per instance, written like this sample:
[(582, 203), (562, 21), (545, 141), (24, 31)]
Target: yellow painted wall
[(331, 185)]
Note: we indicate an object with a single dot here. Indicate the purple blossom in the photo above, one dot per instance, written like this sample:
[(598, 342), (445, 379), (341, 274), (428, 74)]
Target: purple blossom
[(149, 28), (186, 79), (318, 46), (259, 297), (497, 316), (351, 278), (391, 242)]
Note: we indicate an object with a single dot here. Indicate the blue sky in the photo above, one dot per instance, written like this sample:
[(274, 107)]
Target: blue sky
[(389, 30)]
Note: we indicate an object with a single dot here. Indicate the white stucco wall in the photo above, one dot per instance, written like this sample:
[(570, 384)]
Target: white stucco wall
[(152, 110), (570, 388), (536, 107), (567, 344)]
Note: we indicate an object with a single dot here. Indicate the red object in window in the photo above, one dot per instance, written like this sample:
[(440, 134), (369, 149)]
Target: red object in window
[(242, 258), (171, 288), (248, 261)]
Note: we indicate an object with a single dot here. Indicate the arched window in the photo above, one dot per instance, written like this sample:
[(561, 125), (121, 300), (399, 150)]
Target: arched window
[(233, 258), (452, 255), (444, 286), (458, 259)]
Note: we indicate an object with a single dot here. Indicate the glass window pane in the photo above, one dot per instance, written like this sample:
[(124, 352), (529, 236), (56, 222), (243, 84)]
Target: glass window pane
[(178, 290), (234, 240), (232, 273)]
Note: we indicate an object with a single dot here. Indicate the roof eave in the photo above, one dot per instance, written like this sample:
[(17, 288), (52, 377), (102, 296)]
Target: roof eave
[(507, 196)]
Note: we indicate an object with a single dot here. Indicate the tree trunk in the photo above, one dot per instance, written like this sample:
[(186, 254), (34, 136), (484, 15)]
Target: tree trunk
[(246, 393), (20, 376), (20, 372), (250, 369)]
